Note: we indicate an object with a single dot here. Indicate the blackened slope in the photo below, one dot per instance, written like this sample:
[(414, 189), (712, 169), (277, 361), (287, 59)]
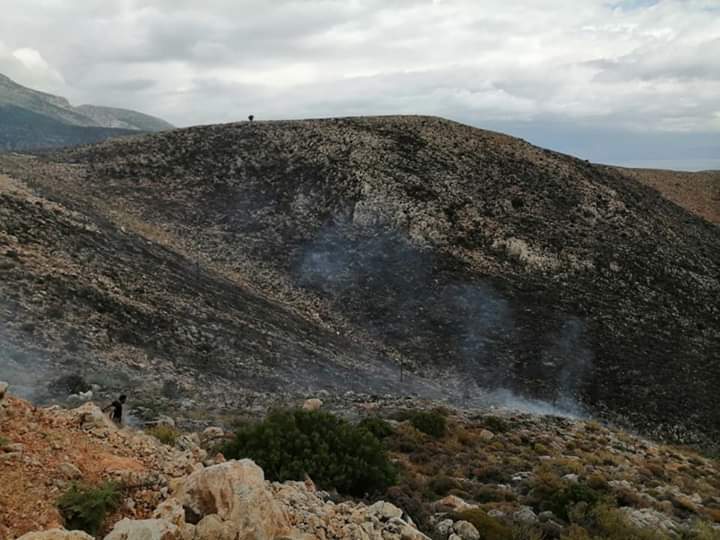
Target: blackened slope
[(80, 295), (455, 246)]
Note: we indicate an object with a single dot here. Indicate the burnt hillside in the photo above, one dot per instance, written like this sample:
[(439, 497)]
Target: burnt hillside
[(463, 254)]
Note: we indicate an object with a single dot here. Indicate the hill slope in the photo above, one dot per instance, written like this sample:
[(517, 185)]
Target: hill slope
[(699, 192), (479, 261)]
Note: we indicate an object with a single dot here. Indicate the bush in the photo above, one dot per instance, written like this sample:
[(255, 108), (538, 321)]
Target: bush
[(563, 501), (440, 486), (496, 424), (488, 527), (377, 426), (429, 422), (289, 444), (85, 507), (68, 384), (164, 433)]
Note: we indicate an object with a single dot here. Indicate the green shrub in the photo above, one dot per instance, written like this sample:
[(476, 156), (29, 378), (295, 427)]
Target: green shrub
[(3, 442), (429, 422), (377, 426), (336, 454), (488, 527), (495, 424), (68, 384), (440, 486), (85, 507), (164, 433), (563, 501)]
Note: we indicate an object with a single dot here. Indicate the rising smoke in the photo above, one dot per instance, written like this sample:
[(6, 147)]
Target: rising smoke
[(412, 299)]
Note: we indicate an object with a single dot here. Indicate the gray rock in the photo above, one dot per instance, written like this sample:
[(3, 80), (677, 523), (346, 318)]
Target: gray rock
[(466, 530), (525, 515), (445, 527), (385, 511), (70, 471)]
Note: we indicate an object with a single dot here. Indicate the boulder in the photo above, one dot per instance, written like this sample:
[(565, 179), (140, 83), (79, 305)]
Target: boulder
[(444, 528), (526, 515), (70, 471), (91, 416), (144, 529), (384, 511), (3, 389), (56, 534), (486, 435), (466, 530), (212, 434), (451, 503), (313, 404), (213, 527), (236, 492)]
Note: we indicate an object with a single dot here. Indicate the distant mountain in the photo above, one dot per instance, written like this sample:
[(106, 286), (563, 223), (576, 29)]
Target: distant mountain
[(110, 117), (30, 119)]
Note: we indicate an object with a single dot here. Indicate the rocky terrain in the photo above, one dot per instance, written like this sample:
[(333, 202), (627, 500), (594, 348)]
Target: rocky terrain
[(30, 119), (400, 255), (492, 475)]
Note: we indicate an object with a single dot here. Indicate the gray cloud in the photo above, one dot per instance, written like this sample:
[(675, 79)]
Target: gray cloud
[(633, 67)]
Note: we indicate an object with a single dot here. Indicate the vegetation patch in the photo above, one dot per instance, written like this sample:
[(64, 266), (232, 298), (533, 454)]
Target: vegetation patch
[(85, 507), (432, 423), (289, 444), (377, 426), (164, 433)]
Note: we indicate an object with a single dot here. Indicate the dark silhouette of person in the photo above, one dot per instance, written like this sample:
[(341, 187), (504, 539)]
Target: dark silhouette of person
[(117, 409), (251, 118)]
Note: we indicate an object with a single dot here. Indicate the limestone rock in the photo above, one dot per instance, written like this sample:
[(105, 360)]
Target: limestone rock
[(313, 404), (486, 435), (92, 417), (70, 471), (525, 515), (451, 503), (466, 530), (236, 492), (144, 529), (384, 511), (3, 389), (445, 527), (56, 534), (213, 527)]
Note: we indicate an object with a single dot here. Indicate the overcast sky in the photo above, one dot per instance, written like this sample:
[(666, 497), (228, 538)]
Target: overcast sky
[(629, 82)]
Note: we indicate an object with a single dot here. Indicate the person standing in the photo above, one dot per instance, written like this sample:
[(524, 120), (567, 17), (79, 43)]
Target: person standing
[(116, 409)]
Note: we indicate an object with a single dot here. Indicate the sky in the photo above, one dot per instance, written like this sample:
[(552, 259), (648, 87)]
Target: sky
[(634, 82)]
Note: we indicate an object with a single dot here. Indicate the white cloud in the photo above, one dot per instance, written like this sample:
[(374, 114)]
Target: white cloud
[(638, 65)]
